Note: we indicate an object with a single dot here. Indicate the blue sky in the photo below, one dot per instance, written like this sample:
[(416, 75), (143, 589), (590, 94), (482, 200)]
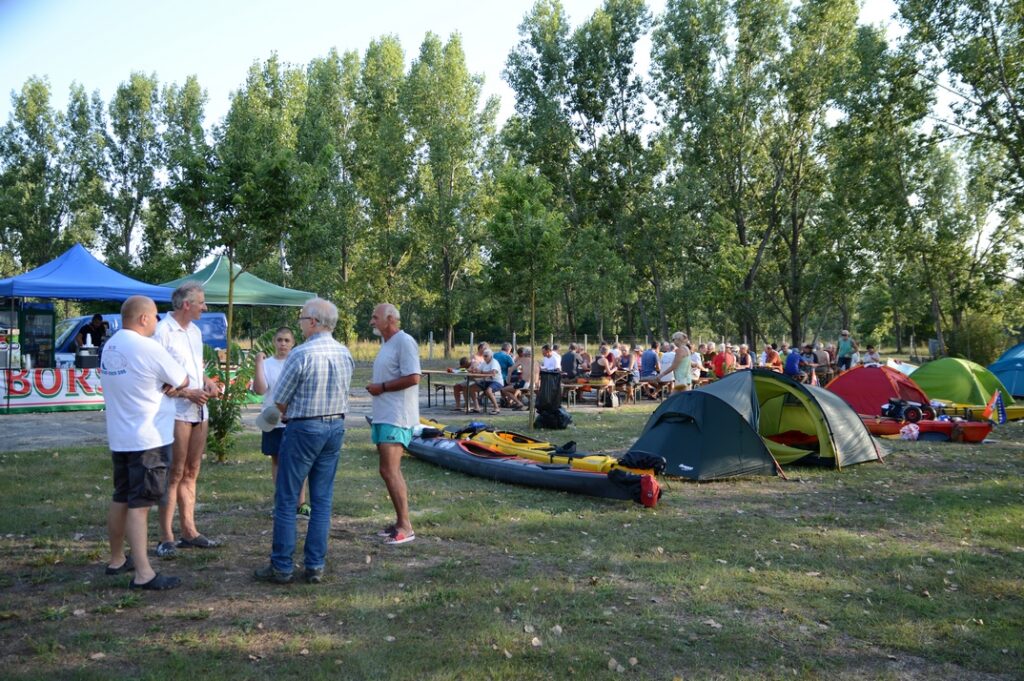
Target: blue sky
[(98, 43)]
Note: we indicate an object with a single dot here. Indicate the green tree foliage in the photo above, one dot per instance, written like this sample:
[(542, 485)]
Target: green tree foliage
[(52, 171), (329, 223), (979, 45), (450, 130), (777, 173), (382, 173), (176, 235), (133, 146), (526, 239)]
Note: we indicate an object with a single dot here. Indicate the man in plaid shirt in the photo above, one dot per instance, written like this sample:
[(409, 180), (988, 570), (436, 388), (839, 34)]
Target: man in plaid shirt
[(312, 395)]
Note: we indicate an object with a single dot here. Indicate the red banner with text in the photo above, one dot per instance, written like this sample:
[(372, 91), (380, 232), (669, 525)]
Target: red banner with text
[(37, 390)]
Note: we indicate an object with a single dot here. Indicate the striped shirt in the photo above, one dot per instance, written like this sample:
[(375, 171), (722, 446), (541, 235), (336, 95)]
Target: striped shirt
[(316, 378)]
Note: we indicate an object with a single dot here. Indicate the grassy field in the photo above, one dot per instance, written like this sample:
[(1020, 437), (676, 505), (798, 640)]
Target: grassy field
[(911, 569)]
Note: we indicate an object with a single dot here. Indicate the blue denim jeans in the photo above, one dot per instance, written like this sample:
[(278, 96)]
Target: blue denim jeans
[(310, 448)]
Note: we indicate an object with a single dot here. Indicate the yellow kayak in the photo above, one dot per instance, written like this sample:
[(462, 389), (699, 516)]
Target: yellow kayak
[(526, 447), (1014, 412)]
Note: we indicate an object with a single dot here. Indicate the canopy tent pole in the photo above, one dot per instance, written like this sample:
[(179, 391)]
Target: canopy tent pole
[(7, 377)]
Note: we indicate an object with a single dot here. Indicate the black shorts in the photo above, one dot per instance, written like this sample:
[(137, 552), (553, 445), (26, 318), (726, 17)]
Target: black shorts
[(271, 442), (140, 478)]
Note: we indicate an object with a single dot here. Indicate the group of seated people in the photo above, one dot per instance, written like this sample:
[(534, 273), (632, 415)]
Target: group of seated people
[(816, 365), (504, 379), (500, 378)]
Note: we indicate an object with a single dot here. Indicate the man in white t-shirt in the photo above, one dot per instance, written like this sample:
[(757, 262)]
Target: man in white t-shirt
[(396, 409), (551, 360), (137, 375), (490, 386), (184, 341)]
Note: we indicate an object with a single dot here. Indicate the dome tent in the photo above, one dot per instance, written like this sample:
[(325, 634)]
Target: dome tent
[(868, 388), (1009, 369), (750, 422), (960, 381)]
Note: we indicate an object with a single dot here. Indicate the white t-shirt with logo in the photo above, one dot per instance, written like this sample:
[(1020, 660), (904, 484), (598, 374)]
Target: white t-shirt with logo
[(133, 372)]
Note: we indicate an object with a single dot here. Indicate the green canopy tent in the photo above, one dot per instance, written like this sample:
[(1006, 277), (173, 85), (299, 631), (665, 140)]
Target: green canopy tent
[(249, 289)]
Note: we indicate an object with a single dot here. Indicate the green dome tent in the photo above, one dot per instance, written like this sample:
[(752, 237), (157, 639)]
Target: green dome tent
[(960, 381), (750, 422), (249, 289)]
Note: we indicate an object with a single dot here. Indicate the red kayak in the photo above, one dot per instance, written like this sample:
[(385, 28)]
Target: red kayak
[(940, 431)]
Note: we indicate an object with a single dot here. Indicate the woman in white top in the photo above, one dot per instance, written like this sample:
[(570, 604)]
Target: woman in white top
[(268, 370)]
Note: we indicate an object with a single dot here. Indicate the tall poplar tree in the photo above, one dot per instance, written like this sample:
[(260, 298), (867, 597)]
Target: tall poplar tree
[(382, 173), (134, 150), (450, 131)]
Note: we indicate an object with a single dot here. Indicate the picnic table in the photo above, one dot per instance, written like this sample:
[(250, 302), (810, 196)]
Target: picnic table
[(468, 376)]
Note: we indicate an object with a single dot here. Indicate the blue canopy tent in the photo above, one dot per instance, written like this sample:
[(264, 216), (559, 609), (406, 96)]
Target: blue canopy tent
[(77, 275)]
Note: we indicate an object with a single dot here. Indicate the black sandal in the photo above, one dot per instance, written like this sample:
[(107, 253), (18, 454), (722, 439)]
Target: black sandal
[(158, 583)]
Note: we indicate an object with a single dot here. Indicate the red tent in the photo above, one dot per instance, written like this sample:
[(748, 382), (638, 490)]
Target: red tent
[(867, 388)]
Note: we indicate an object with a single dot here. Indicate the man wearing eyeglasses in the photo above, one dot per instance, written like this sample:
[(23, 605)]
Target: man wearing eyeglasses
[(312, 396)]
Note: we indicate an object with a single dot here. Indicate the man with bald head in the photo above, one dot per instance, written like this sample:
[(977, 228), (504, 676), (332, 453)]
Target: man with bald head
[(396, 409), (138, 375)]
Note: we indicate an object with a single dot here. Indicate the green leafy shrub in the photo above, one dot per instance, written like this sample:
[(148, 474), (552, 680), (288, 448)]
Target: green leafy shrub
[(226, 411)]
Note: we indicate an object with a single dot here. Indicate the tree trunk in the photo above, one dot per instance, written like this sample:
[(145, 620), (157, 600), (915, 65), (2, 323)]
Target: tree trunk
[(936, 308), (898, 328)]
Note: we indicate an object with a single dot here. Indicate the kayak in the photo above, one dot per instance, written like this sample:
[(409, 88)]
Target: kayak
[(942, 431), (480, 460), (1014, 412), (527, 447)]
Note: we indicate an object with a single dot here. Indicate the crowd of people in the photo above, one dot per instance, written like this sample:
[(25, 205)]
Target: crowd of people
[(501, 379)]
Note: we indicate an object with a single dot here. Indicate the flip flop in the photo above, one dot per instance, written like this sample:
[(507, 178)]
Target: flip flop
[(474, 411), (158, 583), (400, 537)]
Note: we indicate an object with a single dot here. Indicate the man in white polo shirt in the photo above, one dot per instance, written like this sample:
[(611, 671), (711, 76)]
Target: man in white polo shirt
[(184, 341), (137, 375)]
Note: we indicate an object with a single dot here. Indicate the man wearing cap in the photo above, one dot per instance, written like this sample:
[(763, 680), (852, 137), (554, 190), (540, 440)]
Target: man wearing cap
[(312, 395), (138, 374), (396, 409), (845, 349)]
